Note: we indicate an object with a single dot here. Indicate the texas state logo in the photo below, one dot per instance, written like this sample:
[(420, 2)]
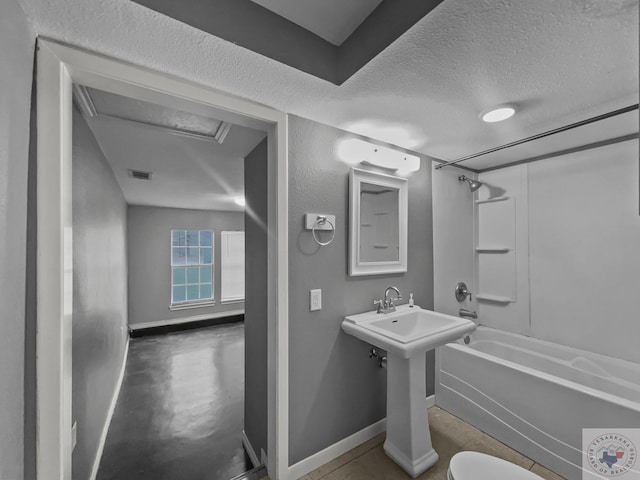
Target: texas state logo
[(610, 454)]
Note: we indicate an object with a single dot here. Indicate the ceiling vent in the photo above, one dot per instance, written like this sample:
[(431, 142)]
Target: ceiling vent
[(140, 175)]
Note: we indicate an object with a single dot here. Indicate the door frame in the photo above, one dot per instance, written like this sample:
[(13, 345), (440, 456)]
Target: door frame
[(58, 67)]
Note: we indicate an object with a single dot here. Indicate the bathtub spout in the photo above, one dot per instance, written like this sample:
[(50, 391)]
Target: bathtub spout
[(467, 313)]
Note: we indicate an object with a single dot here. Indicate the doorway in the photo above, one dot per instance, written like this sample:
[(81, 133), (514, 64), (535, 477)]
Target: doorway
[(60, 66), (158, 249)]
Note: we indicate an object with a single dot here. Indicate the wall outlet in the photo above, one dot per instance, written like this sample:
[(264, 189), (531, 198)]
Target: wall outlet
[(315, 300), (74, 435)]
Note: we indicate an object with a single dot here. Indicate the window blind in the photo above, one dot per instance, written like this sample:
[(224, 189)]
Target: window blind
[(232, 266)]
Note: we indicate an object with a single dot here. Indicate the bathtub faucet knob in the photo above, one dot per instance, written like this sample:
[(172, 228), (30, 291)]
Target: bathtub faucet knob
[(462, 292)]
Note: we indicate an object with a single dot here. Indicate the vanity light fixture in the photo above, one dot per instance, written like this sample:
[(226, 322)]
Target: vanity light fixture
[(354, 151), (240, 201), (497, 114)]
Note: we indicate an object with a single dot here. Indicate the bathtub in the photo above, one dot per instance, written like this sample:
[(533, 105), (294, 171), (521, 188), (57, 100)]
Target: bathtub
[(536, 396)]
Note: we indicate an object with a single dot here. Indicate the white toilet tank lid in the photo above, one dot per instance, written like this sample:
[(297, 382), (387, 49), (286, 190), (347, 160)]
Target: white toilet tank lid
[(479, 466)]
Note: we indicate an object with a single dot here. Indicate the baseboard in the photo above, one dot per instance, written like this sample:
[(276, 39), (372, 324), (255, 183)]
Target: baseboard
[(323, 457), (250, 451), (194, 321), (431, 401), (254, 474), (107, 422)]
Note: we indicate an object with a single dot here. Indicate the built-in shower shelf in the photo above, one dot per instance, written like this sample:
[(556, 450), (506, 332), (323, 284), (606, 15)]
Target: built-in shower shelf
[(494, 298), (491, 200), (492, 249)]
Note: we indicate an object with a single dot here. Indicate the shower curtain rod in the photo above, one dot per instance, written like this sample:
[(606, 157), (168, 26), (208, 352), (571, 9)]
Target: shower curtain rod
[(542, 135)]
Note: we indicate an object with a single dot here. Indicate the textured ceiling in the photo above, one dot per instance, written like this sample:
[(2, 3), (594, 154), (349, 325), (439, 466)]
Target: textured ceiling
[(560, 61), (188, 171), (333, 20)]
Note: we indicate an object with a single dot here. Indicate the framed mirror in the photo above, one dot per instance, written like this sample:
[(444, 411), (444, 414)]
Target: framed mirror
[(378, 213)]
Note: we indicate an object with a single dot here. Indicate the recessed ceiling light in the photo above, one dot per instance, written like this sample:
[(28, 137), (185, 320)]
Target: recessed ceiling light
[(497, 114), (240, 201)]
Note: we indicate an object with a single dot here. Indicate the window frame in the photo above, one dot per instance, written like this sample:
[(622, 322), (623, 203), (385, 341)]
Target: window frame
[(229, 300), (199, 302)]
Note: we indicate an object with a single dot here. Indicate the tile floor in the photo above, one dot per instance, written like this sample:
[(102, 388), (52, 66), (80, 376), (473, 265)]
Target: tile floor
[(449, 435)]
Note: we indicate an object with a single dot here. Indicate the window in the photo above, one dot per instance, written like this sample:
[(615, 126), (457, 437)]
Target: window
[(191, 266), (232, 266)]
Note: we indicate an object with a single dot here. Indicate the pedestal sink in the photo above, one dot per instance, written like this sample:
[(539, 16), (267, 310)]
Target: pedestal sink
[(407, 334)]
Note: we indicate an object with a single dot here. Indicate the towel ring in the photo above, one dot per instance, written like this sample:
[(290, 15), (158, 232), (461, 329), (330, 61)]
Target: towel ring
[(321, 221)]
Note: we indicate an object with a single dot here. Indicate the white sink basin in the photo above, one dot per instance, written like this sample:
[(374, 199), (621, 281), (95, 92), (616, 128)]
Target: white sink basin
[(407, 334), (407, 331)]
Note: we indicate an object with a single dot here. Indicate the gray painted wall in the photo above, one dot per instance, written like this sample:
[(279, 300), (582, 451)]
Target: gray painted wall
[(255, 310), (149, 236), (335, 390), (16, 66), (99, 292)]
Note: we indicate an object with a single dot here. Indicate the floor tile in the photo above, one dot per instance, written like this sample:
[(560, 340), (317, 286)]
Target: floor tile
[(446, 449), (324, 470), (369, 444), (491, 446), (449, 436), (545, 473), (376, 465), (454, 429), (353, 470), (331, 466)]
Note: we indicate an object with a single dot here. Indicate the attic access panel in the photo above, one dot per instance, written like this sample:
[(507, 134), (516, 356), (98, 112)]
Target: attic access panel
[(252, 26), (117, 106)]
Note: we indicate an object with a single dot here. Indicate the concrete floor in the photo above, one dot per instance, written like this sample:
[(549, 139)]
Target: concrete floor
[(449, 434), (179, 415)]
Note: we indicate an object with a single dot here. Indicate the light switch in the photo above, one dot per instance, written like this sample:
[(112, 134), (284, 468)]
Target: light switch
[(315, 300)]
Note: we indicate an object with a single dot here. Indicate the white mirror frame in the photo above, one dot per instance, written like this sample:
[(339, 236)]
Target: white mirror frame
[(357, 267)]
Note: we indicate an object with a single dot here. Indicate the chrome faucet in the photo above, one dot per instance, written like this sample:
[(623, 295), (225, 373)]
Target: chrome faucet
[(467, 313), (386, 305)]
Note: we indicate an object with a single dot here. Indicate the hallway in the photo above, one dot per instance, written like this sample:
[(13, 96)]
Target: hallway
[(180, 410)]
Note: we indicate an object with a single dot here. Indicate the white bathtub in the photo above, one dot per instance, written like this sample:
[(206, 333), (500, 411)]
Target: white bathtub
[(536, 396)]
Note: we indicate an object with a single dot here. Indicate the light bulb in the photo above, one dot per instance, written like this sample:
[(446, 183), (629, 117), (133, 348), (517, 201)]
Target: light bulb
[(498, 114)]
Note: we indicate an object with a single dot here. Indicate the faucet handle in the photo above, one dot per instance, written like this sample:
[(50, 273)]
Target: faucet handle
[(462, 292), (379, 304), (391, 300)]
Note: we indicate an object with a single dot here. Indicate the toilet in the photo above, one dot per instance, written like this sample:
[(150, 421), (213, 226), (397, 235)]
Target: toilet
[(478, 466)]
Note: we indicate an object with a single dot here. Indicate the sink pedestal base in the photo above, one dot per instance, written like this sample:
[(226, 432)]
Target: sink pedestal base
[(408, 438)]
